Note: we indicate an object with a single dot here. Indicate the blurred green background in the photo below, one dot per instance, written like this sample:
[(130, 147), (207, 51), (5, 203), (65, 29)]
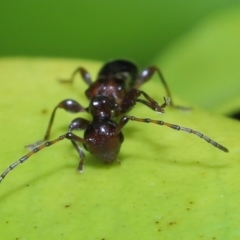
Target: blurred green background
[(99, 30), (195, 43)]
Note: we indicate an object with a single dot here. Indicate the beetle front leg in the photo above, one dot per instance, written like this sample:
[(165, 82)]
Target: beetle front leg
[(78, 124), (74, 138)]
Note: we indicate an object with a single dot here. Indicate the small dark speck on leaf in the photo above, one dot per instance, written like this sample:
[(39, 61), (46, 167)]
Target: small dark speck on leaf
[(44, 111), (172, 223), (67, 205)]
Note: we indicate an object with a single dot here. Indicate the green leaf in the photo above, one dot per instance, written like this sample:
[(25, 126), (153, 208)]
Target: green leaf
[(169, 185), (203, 66)]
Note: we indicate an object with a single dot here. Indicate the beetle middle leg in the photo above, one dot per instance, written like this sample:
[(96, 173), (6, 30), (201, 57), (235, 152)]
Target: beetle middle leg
[(147, 74), (132, 96), (69, 105)]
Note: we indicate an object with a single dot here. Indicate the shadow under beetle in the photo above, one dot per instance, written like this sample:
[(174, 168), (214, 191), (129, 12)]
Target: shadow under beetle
[(113, 94)]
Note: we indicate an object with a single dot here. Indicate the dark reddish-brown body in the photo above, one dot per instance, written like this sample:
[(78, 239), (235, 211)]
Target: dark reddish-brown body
[(119, 81), (114, 93), (101, 140)]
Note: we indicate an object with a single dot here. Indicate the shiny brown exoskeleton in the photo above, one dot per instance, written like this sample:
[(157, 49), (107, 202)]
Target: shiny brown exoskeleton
[(113, 94), (120, 80)]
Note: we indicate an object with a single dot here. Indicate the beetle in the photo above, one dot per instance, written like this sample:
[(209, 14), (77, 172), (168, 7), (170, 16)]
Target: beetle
[(111, 96), (118, 80)]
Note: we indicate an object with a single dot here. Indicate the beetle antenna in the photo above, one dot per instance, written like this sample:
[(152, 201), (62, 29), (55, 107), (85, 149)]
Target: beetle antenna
[(125, 119), (24, 158)]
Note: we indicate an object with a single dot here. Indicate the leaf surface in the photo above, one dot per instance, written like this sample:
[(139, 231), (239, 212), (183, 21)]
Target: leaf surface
[(169, 185)]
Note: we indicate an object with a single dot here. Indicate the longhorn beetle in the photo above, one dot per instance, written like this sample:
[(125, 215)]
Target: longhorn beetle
[(112, 95)]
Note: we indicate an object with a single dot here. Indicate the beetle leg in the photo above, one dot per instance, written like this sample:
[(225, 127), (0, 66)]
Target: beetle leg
[(78, 124), (147, 74), (83, 73), (69, 105), (132, 96)]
